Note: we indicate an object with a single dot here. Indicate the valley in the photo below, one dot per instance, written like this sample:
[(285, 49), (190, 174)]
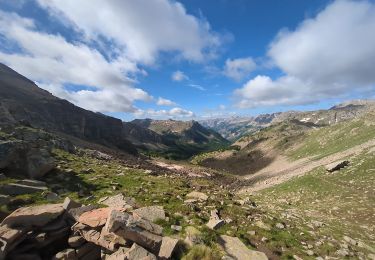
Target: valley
[(169, 189)]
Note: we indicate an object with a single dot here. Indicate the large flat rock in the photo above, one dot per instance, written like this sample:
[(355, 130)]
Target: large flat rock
[(234, 247), (34, 216)]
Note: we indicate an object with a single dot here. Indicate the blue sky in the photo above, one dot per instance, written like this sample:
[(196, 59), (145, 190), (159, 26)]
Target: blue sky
[(193, 59)]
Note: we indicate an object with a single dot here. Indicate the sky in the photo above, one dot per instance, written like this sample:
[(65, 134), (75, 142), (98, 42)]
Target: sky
[(193, 59)]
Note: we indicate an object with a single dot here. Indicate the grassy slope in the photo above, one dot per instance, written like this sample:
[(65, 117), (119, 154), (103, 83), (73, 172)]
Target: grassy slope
[(344, 201)]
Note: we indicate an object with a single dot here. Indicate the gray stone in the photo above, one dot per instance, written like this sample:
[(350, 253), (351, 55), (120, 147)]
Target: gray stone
[(69, 204), (176, 228), (20, 189), (197, 195), (234, 247), (215, 222), (335, 166), (136, 252), (167, 247), (280, 226), (2, 176), (150, 213), (75, 213), (140, 231), (51, 196)]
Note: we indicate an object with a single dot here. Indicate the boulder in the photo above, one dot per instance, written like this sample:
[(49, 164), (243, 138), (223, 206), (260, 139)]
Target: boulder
[(197, 195), (34, 216), (336, 166), (138, 230), (118, 201), (15, 189), (234, 247), (39, 162), (95, 217), (167, 247), (136, 252), (150, 213), (119, 254), (215, 222)]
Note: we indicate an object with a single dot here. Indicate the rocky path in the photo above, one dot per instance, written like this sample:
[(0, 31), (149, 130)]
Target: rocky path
[(283, 169)]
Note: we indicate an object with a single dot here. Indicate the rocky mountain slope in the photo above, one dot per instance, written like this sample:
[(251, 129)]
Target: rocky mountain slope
[(22, 102), (233, 128)]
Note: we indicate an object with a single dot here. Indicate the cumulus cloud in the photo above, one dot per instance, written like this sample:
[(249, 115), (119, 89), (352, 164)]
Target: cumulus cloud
[(141, 28), (327, 56), (173, 113), (54, 62), (179, 76), (239, 68), (165, 102)]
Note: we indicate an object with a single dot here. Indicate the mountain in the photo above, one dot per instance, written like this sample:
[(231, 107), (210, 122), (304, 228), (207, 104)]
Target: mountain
[(296, 135), (187, 136), (233, 128), (22, 102)]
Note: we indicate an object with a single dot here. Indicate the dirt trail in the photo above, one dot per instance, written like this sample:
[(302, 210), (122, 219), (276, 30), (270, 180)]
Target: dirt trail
[(283, 169)]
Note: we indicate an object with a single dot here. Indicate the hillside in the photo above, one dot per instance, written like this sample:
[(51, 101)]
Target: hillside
[(233, 128), (188, 136), (22, 102), (298, 136)]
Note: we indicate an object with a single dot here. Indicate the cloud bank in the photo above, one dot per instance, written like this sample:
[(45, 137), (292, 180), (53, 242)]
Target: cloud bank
[(108, 51), (330, 55)]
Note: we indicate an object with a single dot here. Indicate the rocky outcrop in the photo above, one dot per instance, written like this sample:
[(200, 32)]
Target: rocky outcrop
[(71, 231), (336, 166)]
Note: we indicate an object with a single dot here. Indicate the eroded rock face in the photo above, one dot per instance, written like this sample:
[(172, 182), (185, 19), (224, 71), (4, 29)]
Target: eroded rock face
[(234, 247), (34, 216)]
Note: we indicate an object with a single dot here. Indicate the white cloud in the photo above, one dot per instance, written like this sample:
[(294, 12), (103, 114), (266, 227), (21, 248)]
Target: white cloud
[(173, 113), (165, 102), (327, 56), (179, 76), (239, 68), (52, 61), (196, 86), (141, 28)]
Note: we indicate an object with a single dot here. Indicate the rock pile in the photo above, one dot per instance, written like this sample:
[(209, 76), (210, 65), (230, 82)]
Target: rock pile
[(73, 231)]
